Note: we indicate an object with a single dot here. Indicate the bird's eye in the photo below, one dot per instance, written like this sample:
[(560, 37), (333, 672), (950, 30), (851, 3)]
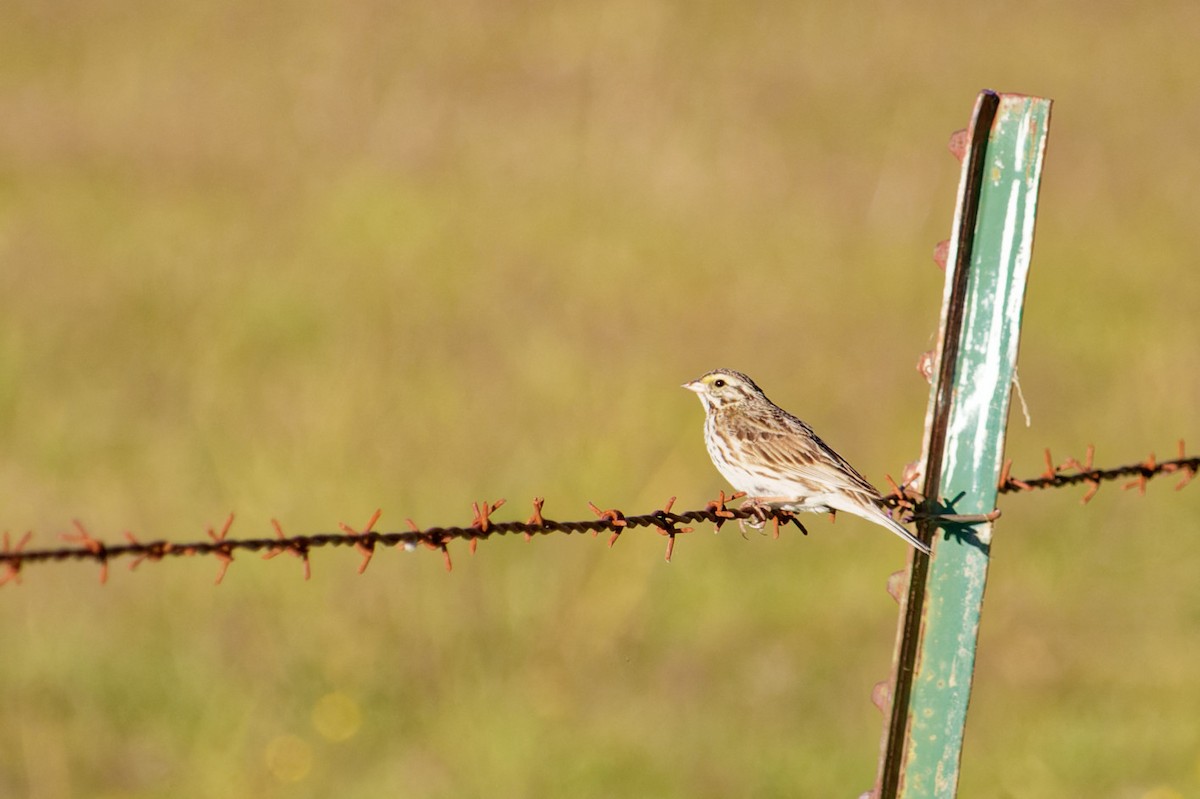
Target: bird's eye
[(719, 383)]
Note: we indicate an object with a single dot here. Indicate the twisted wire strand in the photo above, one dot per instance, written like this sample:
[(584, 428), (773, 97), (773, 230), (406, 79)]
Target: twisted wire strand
[(83, 547)]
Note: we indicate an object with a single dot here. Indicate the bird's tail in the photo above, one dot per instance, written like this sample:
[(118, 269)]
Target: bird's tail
[(877, 514), (899, 530)]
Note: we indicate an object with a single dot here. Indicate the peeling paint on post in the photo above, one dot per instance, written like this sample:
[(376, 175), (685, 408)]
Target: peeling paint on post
[(964, 445)]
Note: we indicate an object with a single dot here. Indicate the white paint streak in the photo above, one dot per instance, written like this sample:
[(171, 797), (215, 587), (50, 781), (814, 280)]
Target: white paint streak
[(1022, 142), (976, 405)]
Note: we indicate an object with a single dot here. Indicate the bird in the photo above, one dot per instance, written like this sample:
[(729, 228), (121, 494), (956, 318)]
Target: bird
[(777, 459)]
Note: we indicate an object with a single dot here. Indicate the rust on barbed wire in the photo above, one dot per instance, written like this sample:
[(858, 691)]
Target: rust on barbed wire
[(92, 546), (222, 548), (1072, 472), (362, 543), (12, 564), (666, 522), (287, 545)]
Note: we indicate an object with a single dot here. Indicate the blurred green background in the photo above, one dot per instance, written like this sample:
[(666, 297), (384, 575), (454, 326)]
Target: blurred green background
[(303, 260)]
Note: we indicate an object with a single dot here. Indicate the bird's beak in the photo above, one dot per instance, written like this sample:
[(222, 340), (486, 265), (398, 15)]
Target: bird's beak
[(694, 385)]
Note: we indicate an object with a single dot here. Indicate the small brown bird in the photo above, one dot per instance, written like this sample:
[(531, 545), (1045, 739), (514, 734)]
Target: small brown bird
[(777, 459)]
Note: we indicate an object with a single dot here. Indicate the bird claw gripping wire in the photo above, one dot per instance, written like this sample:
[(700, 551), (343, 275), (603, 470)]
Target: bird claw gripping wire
[(760, 509), (759, 512)]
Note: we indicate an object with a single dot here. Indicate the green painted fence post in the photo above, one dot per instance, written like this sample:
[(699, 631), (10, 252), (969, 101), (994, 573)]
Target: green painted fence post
[(987, 266)]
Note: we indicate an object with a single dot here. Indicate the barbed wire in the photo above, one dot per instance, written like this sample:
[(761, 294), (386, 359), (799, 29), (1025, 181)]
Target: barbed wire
[(482, 526), (666, 522), (1057, 476)]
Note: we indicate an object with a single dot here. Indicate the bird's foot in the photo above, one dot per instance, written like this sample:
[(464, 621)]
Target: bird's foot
[(761, 511)]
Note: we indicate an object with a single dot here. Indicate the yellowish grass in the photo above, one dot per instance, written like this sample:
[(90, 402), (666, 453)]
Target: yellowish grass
[(304, 261)]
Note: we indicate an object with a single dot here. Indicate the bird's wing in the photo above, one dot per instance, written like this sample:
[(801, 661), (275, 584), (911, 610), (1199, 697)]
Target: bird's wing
[(790, 444)]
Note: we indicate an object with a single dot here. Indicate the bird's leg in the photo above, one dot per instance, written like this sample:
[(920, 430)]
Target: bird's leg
[(761, 509)]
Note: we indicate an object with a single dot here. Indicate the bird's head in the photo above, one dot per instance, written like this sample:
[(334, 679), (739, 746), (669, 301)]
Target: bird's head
[(723, 388)]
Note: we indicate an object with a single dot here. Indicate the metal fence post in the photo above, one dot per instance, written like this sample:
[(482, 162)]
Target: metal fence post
[(988, 263)]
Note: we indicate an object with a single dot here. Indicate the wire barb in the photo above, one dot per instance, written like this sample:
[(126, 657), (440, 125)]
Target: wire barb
[(298, 549), (223, 551), (667, 527), (536, 519), (94, 546), (480, 522), (615, 517), (1086, 466), (1148, 467), (721, 513), (1181, 464), (155, 550), (364, 541), (12, 555)]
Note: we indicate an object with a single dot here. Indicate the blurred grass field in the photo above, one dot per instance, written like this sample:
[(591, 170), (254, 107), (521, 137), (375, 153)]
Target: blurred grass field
[(302, 260)]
